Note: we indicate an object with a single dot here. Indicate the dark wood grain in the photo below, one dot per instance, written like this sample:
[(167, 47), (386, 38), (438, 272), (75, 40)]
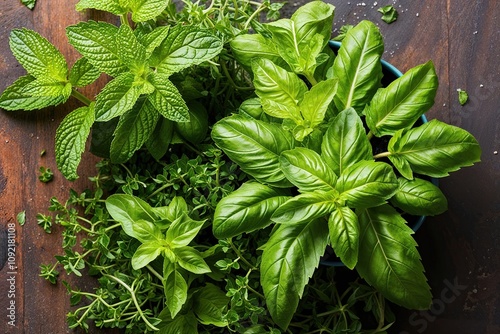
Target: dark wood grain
[(459, 248)]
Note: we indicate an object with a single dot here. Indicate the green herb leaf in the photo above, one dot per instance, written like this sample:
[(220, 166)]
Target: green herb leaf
[(367, 184), (343, 32), (306, 207), (389, 14), (118, 96), (305, 169), (146, 231), (345, 142), (45, 174), (21, 217), (209, 305), (37, 55), (112, 6), (146, 253), (344, 235), (316, 101), (154, 39), (401, 104), (159, 141), (167, 99), (389, 260), (131, 53), (419, 197), (463, 97), (183, 323), (183, 230), (191, 260), (16, 98), (83, 73), (127, 209), (29, 3), (357, 66), (175, 288), (144, 10), (133, 130), (293, 251), (71, 137), (255, 146), (185, 46), (435, 148), (248, 47), (97, 42), (246, 209), (48, 88), (279, 91)]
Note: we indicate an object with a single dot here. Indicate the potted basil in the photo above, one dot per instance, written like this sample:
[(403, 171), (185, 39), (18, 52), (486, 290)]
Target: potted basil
[(307, 141)]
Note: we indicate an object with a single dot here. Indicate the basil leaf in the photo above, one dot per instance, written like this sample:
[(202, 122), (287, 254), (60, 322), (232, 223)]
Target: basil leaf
[(127, 209), (83, 73), (183, 323), (255, 146), (37, 55), (288, 261), (159, 141), (15, 97), (279, 90), (301, 38), (305, 207), (367, 184), (357, 66), (316, 101), (209, 305), (435, 148), (97, 42), (118, 96), (71, 137), (419, 197), (248, 47), (167, 99), (307, 170), (146, 231), (175, 288), (185, 46), (191, 260), (134, 128), (146, 253), (389, 259), (345, 142), (246, 209), (183, 230), (344, 235), (402, 103)]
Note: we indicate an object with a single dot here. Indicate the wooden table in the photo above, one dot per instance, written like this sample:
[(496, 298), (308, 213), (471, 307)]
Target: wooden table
[(459, 248)]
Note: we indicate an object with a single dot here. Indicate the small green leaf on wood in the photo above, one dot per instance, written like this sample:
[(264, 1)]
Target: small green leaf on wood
[(463, 97), (389, 14)]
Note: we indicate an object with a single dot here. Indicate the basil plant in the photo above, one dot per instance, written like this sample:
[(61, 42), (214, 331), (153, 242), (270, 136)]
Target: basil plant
[(310, 141)]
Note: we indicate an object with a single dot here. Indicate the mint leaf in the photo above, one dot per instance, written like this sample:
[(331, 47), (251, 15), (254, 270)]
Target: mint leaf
[(15, 98), (112, 6), (37, 55), (153, 39), (131, 52), (167, 99), (48, 88), (134, 128), (185, 46), (71, 136), (83, 73), (97, 42), (117, 97), (144, 10)]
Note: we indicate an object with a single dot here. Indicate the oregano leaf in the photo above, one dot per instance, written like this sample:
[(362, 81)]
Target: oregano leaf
[(71, 137)]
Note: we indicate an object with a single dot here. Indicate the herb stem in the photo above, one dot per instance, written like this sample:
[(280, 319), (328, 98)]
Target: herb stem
[(382, 155), (80, 97), (238, 254), (369, 135), (154, 272), (134, 299), (312, 80)]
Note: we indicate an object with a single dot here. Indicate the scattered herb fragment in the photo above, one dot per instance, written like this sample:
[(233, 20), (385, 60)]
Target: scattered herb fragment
[(21, 217), (463, 97), (46, 175), (29, 3), (45, 222), (42, 153), (343, 31), (389, 14)]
